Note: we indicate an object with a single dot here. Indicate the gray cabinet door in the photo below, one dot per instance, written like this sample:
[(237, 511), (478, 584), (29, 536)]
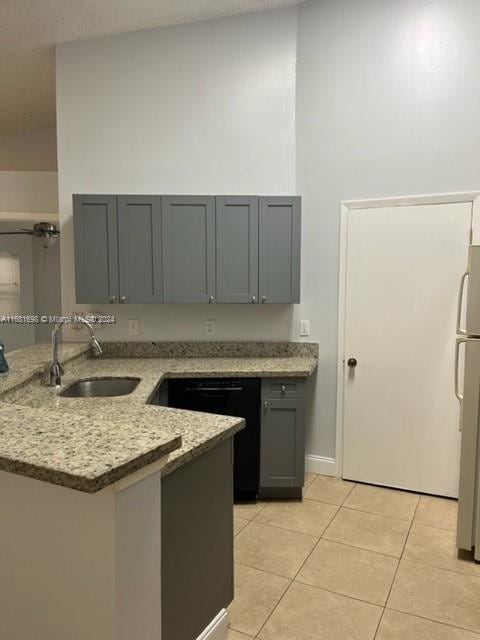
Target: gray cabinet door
[(188, 224), (282, 449), (140, 249), (236, 249), (279, 249), (96, 248)]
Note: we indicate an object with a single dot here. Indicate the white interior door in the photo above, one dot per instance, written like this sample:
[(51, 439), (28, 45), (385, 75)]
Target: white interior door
[(400, 412)]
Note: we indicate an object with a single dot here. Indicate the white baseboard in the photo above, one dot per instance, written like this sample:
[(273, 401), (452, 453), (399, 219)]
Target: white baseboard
[(217, 629), (320, 464)]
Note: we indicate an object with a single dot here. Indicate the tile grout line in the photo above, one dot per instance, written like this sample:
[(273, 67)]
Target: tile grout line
[(300, 568), (435, 566), (443, 624), (291, 581), (380, 515), (268, 573), (301, 533), (257, 635), (396, 570), (352, 546), (337, 593), (322, 537)]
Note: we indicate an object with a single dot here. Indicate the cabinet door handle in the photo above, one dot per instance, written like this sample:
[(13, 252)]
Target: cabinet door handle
[(254, 299), (123, 298), (113, 299), (266, 405), (211, 299), (264, 299), (284, 388)]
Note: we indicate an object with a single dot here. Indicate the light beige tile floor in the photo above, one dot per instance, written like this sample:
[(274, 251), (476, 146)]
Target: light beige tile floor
[(329, 490), (383, 502), (249, 511), (235, 635), (437, 594), (352, 572), (257, 593), (368, 531), (400, 626), (273, 549), (437, 512), (352, 562), (306, 613), (437, 548), (239, 524), (309, 516)]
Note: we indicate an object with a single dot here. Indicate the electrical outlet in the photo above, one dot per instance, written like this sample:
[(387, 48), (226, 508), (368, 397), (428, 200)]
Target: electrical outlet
[(304, 327), (77, 326), (209, 328), (133, 327)]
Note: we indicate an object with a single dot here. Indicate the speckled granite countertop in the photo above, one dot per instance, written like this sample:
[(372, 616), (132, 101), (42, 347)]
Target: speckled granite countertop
[(88, 443)]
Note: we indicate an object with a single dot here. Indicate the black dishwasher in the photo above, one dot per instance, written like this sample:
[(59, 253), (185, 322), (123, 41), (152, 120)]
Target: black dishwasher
[(228, 397)]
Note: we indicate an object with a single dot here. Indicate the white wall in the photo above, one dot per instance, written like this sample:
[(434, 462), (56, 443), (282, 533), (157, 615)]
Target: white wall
[(29, 150), (17, 336), (46, 285), (388, 103), (203, 108), (39, 285), (28, 191)]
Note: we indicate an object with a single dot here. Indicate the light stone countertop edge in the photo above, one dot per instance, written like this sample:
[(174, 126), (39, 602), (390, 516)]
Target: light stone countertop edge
[(183, 434)]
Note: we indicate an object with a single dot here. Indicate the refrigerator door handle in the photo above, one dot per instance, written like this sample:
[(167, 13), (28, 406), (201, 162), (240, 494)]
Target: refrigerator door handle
[(459, 395), (460, 331)]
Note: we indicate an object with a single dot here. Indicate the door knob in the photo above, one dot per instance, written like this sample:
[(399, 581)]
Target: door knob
[(352, 362)]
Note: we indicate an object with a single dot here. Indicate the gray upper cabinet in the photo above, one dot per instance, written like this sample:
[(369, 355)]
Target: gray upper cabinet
[(236, 249), (140, 249), (96, 255), (188, 224), (279, 249), (187, 249)]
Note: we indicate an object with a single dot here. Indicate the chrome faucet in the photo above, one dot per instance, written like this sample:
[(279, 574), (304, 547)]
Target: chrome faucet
[(56, 370)]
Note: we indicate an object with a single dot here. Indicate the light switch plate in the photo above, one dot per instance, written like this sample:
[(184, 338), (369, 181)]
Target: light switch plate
[(304, 327), (133, 327), (209, 328)]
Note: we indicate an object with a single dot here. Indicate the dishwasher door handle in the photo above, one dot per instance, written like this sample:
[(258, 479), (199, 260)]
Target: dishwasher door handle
[(203, 389)]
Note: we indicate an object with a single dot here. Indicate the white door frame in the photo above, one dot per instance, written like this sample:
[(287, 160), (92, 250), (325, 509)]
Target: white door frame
[(347, 208)]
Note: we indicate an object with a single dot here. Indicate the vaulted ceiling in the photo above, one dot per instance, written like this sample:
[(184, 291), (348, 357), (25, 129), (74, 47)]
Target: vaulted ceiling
[(30, 29)]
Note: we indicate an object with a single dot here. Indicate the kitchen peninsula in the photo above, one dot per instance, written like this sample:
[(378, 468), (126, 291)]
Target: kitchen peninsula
[(86, 485)]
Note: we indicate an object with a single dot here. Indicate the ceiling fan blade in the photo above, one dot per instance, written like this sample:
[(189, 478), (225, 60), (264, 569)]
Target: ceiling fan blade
[(15, 233)]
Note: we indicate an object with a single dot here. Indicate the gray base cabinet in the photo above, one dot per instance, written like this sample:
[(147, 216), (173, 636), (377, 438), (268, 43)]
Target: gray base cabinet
[(197, 543), (187, 249), (282, 441)]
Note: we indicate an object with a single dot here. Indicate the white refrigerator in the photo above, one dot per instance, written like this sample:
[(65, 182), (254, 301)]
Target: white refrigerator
[(468, 393)]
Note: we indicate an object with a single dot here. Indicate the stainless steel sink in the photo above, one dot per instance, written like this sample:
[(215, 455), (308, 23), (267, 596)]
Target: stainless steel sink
[(100, 388)]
